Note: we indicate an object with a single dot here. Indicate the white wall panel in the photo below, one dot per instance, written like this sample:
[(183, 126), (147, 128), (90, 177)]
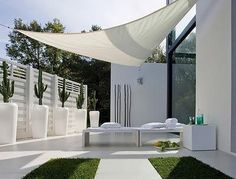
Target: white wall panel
[(213, 66), (148, 103)]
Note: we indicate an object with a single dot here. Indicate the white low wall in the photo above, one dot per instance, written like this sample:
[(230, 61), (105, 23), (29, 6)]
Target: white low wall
[(148, 101)]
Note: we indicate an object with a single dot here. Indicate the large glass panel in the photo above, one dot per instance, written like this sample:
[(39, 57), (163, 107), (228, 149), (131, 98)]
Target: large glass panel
[(184, 79), (187, 18)]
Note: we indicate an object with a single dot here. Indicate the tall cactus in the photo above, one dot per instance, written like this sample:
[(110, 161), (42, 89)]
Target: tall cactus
[(41, 88), (6, 89), (80, 98), (63, 95), (93, 101)]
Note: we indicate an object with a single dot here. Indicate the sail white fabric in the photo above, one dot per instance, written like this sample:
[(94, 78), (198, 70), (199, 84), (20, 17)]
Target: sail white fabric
[(128, 44)]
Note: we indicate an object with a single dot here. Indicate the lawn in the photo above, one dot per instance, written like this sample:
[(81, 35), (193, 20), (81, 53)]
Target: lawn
[(185, 168), (65, 169)]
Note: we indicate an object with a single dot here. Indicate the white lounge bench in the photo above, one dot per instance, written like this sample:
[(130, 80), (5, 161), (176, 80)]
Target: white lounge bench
[(137, 131), (85, 134)]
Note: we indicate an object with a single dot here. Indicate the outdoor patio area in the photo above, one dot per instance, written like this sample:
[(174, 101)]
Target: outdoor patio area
[(138, 89), (19, 159)]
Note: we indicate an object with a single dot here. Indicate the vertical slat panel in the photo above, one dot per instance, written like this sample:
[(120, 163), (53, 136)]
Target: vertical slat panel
[(73, 88)]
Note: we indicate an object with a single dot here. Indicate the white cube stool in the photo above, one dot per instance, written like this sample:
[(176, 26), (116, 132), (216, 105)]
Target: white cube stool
[(199, 137)]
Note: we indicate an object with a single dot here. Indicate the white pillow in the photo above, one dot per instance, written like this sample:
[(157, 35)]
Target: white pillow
[(171, 120), (108, 125), (152, 125)]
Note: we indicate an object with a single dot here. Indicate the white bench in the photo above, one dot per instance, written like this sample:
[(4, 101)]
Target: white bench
[(137, 131), (85, 134)]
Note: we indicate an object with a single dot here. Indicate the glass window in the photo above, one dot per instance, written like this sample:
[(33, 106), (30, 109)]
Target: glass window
[(184, 79)]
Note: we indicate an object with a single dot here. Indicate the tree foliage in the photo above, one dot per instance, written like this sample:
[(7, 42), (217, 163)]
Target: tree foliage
[(23, 49), (188, 45), (31, 52), (158, 56), (53, 55)]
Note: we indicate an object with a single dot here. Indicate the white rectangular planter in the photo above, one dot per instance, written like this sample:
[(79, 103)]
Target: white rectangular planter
[(8, 122), (39, 119), (81, 119), (61, 116), (199, 137), (94, 118)]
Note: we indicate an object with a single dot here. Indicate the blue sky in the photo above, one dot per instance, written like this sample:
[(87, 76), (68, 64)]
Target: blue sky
[(75, 15)]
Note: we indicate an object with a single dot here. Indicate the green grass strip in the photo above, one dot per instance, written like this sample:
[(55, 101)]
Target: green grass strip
[(185, 168), (65, 169)]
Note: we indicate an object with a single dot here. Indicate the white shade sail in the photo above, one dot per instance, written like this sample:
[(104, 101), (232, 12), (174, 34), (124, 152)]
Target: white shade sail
[(128, 44)]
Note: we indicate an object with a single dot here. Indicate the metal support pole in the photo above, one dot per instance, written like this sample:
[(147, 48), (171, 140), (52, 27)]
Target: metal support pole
[(169, 83), (169, 56)]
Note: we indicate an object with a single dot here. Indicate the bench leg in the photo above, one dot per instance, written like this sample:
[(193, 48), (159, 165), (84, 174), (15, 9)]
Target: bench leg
[(138, 138), (181, 139), (85, 139)]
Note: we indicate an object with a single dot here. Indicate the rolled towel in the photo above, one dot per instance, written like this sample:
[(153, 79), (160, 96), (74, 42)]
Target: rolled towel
[(171, 123), (109, 125), (171, 120), (153, 125)]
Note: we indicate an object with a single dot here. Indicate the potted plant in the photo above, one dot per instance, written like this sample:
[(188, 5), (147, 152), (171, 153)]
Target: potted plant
[(61, 114), (94, 115), (80, 113), (8, 111), (39, 112)]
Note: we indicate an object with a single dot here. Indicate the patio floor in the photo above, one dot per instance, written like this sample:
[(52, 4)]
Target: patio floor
[(19, 159)]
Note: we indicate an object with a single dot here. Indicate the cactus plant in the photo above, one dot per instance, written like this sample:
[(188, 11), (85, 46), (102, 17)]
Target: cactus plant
[(6, 89), (80, 99), (63, 95), (93, 101), (41, 88)]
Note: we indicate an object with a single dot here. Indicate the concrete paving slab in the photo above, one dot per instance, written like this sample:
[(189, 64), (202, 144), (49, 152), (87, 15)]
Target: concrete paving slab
[(126, 169)]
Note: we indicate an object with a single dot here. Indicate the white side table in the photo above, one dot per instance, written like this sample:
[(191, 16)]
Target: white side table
[(199, 137)]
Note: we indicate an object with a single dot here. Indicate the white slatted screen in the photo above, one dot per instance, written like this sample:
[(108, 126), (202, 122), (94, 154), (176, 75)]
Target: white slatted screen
[(25, 77)]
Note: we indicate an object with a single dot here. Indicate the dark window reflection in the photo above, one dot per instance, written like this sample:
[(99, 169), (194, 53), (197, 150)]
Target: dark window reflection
[(184, 79)]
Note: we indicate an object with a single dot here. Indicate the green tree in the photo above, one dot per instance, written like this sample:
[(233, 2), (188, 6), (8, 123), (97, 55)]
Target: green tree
[(23, 49), (95, 74), (31, 52), (53, 55), (95, 28), (158, 56), (188, 45)]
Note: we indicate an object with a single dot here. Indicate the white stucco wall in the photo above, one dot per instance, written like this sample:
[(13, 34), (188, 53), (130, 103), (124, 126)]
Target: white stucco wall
[(213, 66), (148, 100)]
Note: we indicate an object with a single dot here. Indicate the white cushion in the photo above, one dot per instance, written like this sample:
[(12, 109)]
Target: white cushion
[(171, 120), (153, 125), (171, 125), (108, 125)]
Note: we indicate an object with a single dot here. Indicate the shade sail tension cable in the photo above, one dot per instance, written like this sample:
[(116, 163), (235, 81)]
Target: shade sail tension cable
[(7, 27)]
